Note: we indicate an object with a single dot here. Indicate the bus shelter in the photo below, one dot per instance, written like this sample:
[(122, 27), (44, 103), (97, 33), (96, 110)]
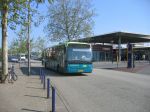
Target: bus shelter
[(118, 38)]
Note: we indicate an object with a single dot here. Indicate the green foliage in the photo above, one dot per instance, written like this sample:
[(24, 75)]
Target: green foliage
[(18, 9), (42, 1), (19, 46), (14, 13), (17, 16)]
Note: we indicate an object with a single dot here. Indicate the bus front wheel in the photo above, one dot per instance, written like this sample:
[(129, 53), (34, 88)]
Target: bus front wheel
[(45, 66)]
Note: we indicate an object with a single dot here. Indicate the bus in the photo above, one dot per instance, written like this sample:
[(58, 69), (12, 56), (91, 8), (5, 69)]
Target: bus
[(70, 57)]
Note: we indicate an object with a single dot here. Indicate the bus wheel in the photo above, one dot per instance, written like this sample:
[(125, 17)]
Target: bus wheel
[(58, 68)]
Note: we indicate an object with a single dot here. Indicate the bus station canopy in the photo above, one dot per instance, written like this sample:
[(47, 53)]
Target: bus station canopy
[(114, 38)]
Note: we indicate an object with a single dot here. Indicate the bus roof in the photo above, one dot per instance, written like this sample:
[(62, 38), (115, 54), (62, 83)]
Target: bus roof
[(76, 43), (66, 44)]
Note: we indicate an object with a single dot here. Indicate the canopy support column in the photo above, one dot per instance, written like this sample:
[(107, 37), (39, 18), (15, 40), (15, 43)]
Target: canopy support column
[(119, 48)]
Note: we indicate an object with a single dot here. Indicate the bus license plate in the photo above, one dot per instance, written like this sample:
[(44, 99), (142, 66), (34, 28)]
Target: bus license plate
[(80, 70)]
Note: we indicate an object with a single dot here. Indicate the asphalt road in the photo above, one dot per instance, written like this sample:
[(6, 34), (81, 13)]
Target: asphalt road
[(104, 91)]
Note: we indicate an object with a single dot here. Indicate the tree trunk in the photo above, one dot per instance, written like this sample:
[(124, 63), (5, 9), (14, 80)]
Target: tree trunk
[(4, 44)]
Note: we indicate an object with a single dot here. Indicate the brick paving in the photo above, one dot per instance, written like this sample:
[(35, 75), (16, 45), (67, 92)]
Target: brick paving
[(26, 94), (137, 69)]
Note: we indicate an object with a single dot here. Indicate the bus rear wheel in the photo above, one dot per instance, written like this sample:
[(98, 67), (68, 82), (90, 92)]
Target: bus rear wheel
[(58, 68)]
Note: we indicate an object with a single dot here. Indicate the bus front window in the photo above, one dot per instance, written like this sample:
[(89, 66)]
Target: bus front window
[(79, 54)]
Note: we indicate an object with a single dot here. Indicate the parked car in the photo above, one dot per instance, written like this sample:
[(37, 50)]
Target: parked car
[(13, 59), (22, 57)]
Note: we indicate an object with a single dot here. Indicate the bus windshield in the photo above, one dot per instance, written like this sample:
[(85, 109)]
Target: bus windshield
[(79, 53)]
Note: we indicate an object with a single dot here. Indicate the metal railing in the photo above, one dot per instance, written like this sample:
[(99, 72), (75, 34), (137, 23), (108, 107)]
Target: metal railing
[(50, 89)]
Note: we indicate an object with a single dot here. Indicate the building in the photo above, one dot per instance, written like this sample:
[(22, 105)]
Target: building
[(103, 45)]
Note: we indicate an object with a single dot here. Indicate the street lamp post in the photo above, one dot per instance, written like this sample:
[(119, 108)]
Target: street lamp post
[(19, 49), (28, 37)]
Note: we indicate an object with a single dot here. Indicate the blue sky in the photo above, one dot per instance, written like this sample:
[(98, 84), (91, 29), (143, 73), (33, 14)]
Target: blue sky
[(111, 15), (122, 15)]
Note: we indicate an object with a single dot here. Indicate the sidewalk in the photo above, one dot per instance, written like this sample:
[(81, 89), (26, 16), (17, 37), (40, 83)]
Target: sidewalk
[(26, 94)]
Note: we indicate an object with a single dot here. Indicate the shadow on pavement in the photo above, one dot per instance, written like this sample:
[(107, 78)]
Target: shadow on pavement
[(31, 110), (34, 82), (34, 88), (35, 96), (33, 70), (52, 73), (48, 72)]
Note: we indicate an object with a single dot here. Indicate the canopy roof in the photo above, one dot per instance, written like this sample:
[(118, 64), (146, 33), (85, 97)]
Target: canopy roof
[(114, 37)]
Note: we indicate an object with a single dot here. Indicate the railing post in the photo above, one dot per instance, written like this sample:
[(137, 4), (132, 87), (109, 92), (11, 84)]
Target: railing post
[(53, 99), (48, 88), (42, 76), (43, 80), (40, 73)]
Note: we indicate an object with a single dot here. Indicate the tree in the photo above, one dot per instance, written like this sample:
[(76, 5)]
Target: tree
[(14, 47), (0, 55), (39, 44), (69, 19), (19, 46), (13, 13)]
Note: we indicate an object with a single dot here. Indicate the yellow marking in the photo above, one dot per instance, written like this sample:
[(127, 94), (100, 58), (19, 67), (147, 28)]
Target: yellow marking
[(80, 70)]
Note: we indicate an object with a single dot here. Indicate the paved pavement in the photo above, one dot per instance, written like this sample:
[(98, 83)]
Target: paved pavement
[(26, 94), (141, 67), (145, 70)]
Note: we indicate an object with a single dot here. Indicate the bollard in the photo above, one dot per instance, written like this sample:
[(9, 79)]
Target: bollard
[(43, 81), (53, 99), (42, 76), (40, 73), (48, 88)]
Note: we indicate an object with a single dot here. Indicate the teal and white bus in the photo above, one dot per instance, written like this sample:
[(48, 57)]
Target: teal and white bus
[(70, 57)]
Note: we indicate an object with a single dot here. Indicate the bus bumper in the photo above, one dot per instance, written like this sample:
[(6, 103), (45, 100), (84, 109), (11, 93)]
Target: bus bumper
[(79, 68)]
